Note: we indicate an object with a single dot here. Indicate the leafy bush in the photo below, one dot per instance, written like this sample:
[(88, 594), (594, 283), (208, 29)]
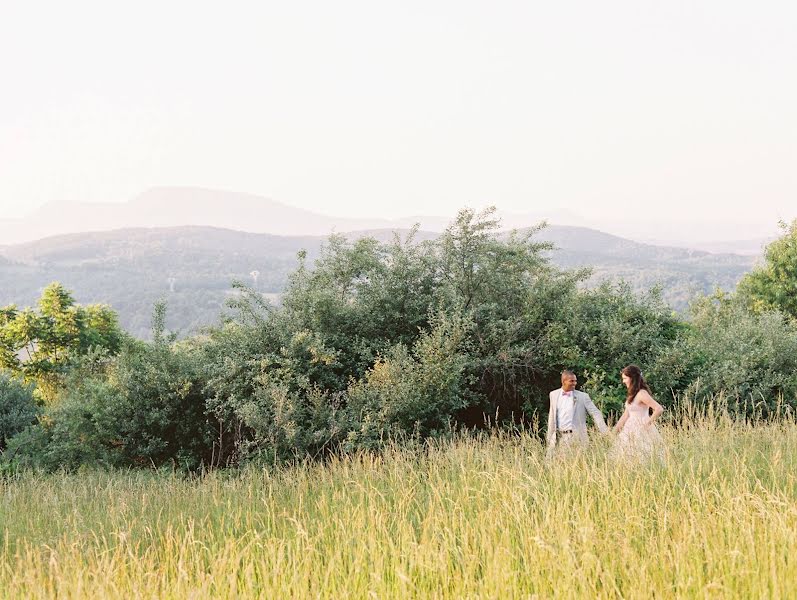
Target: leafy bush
[(416, 392), (362, 298), (611, 328), (144, 407), (18, 408), (353, 357), (751, 358), (77, 431)]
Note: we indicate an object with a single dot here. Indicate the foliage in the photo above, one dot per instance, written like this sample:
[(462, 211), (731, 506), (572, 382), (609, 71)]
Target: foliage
[(362, 297), (406, 339), (73, 433), (511, 293), (415, 392), (18, 408), (774, 284), (749, 357), (380, 341), (40, 346), (611, 328), (143, 407), (284, 413)]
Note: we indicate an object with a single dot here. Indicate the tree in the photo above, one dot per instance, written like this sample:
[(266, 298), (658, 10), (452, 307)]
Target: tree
[(774, 284), (40, 346)]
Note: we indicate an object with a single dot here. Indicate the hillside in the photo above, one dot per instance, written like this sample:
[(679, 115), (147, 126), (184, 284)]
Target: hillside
[(184, 206), (178, 207), (192, 267)]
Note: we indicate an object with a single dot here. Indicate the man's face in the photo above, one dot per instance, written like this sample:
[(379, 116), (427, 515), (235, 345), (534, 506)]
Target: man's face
[(569, 383)]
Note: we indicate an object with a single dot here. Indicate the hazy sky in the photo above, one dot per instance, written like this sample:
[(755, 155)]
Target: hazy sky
[(642, 110)]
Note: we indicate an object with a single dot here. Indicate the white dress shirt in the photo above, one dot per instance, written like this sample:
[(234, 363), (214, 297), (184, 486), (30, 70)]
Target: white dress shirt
[(565, 408)]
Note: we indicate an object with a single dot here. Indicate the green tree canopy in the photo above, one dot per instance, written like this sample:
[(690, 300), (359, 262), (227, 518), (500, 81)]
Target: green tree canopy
[(774, 284), (38, 345)]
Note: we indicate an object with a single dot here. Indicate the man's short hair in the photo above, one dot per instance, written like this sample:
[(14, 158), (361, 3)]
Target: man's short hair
[(568, 372)]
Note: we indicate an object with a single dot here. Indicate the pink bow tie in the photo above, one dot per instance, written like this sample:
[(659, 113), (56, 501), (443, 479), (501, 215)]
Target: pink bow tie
[(567, 393)]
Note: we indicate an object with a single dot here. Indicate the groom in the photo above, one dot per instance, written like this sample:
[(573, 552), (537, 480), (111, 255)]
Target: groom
[(567, 416)]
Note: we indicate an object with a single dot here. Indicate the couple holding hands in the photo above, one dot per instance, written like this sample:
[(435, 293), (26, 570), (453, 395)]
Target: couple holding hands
[(637, 436)]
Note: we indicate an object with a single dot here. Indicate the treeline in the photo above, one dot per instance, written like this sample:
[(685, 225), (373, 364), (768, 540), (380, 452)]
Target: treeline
[(193, 267), (406, 339)]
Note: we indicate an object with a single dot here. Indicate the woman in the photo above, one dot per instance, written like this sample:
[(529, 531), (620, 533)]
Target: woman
[(638, 437)]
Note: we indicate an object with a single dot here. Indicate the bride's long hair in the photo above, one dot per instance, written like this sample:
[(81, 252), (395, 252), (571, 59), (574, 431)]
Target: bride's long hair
[(637, 382)]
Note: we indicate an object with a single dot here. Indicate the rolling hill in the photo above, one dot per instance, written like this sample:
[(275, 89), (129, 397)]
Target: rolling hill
[(193, 267)]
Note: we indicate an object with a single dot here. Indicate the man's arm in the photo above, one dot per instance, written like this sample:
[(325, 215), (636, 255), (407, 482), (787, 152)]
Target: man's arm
[(596, 414)]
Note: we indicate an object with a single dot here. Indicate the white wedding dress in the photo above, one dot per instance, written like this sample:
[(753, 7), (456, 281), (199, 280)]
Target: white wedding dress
[(638, 441)]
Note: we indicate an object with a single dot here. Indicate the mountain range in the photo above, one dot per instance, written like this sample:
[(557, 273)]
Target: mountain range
[(182, 206)]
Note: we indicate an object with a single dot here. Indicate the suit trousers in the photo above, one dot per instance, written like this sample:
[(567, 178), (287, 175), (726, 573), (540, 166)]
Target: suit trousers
[(569, 443)]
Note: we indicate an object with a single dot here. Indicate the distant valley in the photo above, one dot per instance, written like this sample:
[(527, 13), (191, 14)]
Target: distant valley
[(192, 268)]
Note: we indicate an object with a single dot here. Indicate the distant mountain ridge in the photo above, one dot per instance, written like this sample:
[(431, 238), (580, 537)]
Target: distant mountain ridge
[(184, 206), (576, 241), (177, 207), (193, 266), (187, 206)]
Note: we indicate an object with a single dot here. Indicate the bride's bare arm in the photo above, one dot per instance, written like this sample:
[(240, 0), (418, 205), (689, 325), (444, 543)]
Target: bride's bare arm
[(648, 400), (619, 427)]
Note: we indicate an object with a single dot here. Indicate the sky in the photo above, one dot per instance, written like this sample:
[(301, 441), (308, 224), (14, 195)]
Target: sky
[(624, 111)]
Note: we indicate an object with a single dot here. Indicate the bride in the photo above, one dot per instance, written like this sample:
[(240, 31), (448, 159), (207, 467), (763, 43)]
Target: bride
[(638, 437)]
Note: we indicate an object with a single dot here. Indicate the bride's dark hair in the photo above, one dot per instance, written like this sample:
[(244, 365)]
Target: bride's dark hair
[(637, 382)]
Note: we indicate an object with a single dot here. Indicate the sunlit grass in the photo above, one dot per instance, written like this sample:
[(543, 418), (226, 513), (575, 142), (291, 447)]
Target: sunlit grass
[(486, 518)]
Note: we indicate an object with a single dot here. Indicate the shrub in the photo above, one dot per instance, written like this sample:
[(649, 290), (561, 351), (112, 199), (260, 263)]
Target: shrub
[(403, 339), (411, 393), (144, 408), (79, 430), (612, 328), (750, 357), (18, 408)]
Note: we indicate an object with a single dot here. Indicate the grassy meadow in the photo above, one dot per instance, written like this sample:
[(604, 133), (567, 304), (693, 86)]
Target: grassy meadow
[(469, 518)]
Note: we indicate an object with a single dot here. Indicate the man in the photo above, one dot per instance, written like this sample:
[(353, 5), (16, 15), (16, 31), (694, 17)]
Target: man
[(567, 416)]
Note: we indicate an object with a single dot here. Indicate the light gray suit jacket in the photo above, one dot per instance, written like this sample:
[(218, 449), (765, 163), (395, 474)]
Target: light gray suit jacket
[(582, 404)]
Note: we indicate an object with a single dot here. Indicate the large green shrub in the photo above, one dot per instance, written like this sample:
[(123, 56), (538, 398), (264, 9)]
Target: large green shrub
[(414, 392), (161, 406), (18, 408), (611, 328), (748, 357), (79, 430), (144, 407), (517, 302), (363, 297), (353, 355)]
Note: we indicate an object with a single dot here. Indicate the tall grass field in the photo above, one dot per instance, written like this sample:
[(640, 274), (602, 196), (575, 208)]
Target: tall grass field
[(468, 518)]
